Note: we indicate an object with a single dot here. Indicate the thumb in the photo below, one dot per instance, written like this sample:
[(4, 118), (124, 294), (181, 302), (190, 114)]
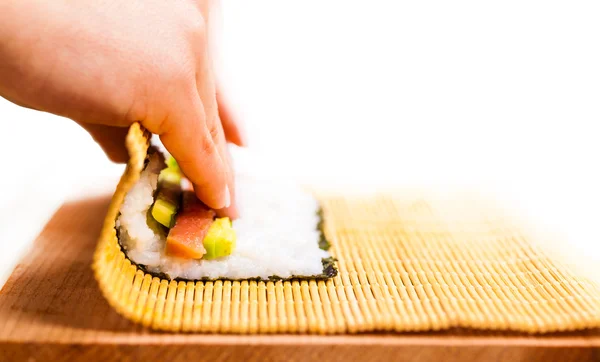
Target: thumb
[(110, 139)]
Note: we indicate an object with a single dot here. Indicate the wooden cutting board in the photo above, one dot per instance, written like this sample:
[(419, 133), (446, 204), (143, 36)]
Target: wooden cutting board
[(51, 310)]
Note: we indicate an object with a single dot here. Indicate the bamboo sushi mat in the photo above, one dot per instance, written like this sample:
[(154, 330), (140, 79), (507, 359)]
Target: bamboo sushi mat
[(405, 264)]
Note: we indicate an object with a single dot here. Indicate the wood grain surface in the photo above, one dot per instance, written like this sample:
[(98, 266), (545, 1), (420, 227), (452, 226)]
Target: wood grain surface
[(51, 310)]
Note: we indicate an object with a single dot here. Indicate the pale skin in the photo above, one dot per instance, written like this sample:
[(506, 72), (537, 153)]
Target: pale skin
[(108, 63)]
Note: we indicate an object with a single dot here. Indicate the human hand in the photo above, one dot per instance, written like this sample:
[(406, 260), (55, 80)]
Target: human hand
[(106, 64)]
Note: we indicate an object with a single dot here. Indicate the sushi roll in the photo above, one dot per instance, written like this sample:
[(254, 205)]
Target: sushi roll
[(164, 230), (160, 219)]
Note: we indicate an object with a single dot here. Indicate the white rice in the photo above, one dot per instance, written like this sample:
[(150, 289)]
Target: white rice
[(276, 233)]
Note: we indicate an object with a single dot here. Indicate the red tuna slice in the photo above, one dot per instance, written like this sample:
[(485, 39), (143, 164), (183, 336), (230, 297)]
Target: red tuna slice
[(185, 239)]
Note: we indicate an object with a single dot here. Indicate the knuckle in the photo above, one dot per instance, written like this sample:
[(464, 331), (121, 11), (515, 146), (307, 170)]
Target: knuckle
[(207, 147), (213, 130)]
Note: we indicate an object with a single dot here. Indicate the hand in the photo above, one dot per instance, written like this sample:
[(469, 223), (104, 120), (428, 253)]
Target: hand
[(108, 63)]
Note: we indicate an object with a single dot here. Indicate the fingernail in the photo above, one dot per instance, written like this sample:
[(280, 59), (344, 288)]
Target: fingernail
[(227, 196)]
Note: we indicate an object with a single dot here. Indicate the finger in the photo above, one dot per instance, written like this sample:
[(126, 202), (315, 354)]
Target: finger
[(111, 140), (215, 129), (218, 137), (190, 142), (231, 211), (205, 85), (231, 126)]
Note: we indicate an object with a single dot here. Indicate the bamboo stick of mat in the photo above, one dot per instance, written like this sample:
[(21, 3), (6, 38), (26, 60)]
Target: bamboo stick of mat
[(406, 263)]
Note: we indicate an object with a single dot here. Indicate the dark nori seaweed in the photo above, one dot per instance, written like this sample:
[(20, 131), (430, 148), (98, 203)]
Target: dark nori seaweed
[(329, 267), (324, 244)]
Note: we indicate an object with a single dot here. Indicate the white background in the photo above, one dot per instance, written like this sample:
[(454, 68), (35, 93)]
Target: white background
[(503, 98)]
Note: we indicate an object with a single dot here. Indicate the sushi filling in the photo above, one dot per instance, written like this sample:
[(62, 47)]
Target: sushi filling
[(177, 223), (165, 229)]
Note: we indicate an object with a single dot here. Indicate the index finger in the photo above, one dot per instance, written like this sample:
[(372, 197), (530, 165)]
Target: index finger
[(185, 135)]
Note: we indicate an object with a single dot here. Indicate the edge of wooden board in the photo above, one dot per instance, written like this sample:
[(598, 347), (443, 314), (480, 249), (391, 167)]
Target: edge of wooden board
[(295, 348)]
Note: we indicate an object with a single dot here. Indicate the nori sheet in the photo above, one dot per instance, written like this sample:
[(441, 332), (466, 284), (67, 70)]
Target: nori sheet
[(329, 266)]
